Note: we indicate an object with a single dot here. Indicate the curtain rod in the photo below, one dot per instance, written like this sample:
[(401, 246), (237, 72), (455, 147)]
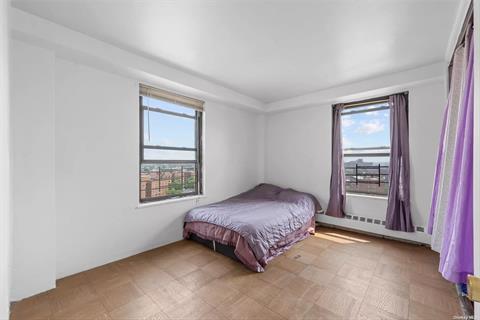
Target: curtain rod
[(370, 101), (356, 104)]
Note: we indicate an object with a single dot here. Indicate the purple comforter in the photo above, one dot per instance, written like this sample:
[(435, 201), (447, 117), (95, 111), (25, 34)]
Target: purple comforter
[(263, 216)]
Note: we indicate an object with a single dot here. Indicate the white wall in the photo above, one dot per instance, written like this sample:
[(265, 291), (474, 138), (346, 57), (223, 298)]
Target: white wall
[(76, 137), (5, 193), (85, 118), (261, 123), (96, 139), (96, 122), (298, 154), (33, 167)]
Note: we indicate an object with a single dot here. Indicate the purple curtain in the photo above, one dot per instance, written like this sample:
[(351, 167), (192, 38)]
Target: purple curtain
[(456, 256), (398, 209), (337, 180)]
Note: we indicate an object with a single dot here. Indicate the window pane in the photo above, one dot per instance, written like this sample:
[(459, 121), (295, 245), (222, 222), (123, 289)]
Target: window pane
[(366, 150), (368, 107), (167, 180), (369, 151), (168, 173), (168, 106), (367, 174), (167, 130), (370, 129), (156, 154)]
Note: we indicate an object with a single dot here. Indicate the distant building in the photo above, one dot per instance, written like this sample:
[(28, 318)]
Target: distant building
[(155, 182)]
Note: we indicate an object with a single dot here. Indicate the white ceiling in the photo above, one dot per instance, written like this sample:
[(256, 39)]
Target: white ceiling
[(269, 50)]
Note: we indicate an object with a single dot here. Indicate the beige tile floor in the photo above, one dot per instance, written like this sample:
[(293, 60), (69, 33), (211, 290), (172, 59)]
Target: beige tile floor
[(332, 275)]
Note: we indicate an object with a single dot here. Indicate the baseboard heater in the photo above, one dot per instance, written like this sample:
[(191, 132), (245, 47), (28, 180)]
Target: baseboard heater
[(372, 221)]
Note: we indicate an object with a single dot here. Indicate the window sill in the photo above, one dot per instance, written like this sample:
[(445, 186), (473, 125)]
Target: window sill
[(168, 201), (370, 196)]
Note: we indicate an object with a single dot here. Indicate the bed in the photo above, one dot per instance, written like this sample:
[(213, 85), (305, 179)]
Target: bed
[(256, 226)]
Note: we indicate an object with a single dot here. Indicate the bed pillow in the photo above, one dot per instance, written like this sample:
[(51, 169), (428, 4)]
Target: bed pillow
[(263, 191), (292, 196)]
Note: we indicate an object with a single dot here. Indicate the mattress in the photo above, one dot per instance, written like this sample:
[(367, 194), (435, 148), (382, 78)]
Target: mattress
[(259, 224)]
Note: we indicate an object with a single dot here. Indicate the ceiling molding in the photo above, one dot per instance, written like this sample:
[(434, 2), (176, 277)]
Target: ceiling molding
[(462, 10), (69, 44), (78, 47), (255, 52), (369, 88)]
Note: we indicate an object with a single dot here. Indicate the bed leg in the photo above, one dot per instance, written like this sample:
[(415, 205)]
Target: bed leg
[(214, 249)]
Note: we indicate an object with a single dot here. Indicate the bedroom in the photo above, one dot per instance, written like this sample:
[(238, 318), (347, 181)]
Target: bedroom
[(125, 119)]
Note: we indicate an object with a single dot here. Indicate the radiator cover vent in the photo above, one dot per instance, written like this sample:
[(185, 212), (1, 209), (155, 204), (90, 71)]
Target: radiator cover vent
[(373, 221)]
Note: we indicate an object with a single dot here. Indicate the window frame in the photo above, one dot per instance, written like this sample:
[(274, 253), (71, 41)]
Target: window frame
[(349, 109), (198, 149)]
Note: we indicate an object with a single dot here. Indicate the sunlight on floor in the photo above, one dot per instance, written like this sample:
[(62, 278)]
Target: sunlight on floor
[(347, 237), (339, 238)]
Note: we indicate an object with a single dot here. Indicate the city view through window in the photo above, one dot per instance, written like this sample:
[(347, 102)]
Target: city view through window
[(169, 164), (366, 148)]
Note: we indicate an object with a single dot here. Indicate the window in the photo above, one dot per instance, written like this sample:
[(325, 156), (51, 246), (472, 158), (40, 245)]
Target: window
[(170, 145), (366, 146)]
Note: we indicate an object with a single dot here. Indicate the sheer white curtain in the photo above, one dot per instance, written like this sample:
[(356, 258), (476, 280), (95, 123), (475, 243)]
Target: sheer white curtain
[(454, 100)]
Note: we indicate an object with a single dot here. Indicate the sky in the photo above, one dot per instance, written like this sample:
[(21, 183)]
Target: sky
[(369, 129), (168, 130), (366, 130)]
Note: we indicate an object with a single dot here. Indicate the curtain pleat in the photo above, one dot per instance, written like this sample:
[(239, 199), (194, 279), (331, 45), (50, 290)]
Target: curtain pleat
[(336, 204), (443, 174), (456, 255), (398, 209)]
